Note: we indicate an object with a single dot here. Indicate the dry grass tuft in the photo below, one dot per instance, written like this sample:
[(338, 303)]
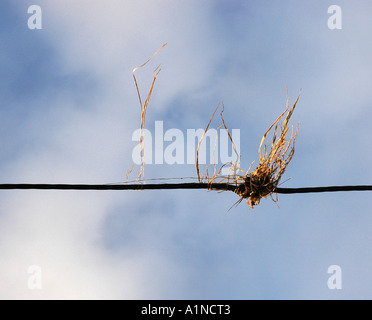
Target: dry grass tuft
[(274, 160)]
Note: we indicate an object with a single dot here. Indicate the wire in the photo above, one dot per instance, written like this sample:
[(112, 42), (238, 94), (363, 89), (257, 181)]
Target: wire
[(324, 189), (160, 186), (137, 186)]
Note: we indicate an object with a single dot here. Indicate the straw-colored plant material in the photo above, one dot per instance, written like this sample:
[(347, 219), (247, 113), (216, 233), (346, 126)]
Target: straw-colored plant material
[(233, 168), (274, 159), (141, 175)]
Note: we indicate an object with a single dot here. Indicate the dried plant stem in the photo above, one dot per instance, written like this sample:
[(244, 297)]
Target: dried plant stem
[(200, 141), (144, 110), (217, 175)]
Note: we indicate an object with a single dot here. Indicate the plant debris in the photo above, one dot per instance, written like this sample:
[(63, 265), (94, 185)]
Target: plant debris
[(274, 159), (141, 175)]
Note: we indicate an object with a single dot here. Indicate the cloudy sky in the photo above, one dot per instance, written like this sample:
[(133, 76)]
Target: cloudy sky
[(68, 111)]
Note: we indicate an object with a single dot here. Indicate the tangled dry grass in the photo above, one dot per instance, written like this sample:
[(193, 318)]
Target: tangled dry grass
[(274, 159)]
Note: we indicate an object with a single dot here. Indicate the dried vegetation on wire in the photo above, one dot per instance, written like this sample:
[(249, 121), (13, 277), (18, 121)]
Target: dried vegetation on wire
[(274, 156)]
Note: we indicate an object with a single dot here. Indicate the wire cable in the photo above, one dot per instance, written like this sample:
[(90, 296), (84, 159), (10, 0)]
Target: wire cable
[(167, 186)]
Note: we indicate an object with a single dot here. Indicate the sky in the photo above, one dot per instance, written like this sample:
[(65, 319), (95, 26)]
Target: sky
[(68, 111)]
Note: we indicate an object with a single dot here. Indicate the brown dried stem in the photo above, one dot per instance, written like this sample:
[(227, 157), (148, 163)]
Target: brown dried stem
[(144, 110)]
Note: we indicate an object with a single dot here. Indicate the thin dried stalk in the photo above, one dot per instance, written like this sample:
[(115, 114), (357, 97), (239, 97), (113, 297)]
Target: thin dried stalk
[(197, 150), (128, 173), (234, 166), (144, 110), (217, 175)]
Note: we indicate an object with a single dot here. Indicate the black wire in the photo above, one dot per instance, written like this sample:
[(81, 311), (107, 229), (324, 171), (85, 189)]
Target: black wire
[(137, 186), (324, 189), (160, 186)]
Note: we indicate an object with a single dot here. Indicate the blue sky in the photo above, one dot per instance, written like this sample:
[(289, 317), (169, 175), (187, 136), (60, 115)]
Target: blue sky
[(69, 108)]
